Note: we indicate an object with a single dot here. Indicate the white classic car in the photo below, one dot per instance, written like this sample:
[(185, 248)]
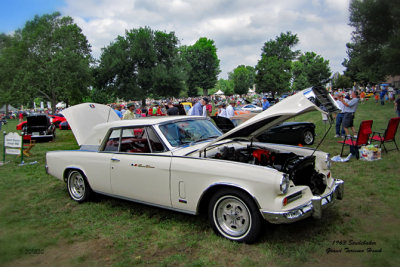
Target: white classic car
[(184, 163)]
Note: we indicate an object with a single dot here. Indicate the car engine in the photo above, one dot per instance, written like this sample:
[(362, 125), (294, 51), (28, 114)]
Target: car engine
[(301, 169)]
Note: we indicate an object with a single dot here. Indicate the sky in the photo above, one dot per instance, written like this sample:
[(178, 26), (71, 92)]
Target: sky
[(239, 28)]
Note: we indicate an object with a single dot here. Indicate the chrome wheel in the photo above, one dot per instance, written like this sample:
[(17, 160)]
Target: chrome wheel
[(78, 188), (232, 217), (308, 137)]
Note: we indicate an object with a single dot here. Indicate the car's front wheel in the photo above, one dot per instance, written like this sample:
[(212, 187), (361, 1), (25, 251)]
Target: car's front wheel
[(308, 137), (234, 215), (78, 187)]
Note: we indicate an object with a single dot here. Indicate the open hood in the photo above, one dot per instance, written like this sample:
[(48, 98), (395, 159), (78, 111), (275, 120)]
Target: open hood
[(84, 117), (311, 99)]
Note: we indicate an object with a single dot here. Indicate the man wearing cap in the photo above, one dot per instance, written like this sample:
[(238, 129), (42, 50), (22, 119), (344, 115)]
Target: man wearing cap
[(265, 103), (199, 108), (129, 114)]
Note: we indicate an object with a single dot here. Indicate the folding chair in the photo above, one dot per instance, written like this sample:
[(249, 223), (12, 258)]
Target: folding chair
[(28, 146), (362, 138), (389, 135)]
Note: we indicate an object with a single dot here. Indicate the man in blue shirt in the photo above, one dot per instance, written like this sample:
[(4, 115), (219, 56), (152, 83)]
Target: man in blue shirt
[(350, 107), (198, 109), (117, 110), (265, 104)]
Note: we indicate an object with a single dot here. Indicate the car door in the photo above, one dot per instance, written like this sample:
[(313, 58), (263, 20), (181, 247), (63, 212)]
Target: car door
[(140, 169)]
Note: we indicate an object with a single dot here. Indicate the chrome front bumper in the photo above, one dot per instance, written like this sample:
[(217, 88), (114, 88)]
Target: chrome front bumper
[(314, 207)]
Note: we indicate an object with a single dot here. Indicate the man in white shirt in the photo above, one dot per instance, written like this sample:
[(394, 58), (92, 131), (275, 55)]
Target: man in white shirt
[(339, 116), (230, 112), (222, 111)]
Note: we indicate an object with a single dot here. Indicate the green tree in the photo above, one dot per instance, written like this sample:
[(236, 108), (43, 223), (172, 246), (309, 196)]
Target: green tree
[(243, 79), (225, 86), (273, 69), (57, 59), (310, 70), (11, 71), (143, 63), (203, 65), (341, 81), (375, 48)]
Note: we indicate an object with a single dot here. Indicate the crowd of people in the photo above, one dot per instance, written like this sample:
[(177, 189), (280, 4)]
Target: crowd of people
[(349, 101), (225, 106)]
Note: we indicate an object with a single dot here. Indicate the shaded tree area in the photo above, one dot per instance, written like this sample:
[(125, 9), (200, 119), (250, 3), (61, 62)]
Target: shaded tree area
[(143, 63), (341, 81), (310, 70), (281, 68), (202, 65), (375, 48), (9, 66), (55, 58), (243, 79), (273, 70)]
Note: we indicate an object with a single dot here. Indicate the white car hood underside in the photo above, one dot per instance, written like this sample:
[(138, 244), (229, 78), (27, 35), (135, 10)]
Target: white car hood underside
[(299, 103), (84, 117)]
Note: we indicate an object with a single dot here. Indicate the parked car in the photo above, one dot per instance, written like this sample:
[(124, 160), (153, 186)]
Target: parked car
[(64, 125), (251, 108), (57, 118), (292, 133), (38, 127), (187, 106), (239, 111), (185, 164)]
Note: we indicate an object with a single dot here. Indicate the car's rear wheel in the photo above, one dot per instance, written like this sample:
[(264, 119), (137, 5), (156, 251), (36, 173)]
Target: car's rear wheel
[(308, 137), (234, 215), (78, 187)]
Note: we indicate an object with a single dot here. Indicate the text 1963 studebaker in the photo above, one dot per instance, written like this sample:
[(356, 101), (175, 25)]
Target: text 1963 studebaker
[(186, 164)]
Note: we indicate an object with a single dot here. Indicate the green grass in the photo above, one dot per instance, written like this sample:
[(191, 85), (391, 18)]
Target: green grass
[(37, 216)]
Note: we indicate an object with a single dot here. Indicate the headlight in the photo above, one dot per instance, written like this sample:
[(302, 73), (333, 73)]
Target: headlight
[(284, 184), (328, 161)]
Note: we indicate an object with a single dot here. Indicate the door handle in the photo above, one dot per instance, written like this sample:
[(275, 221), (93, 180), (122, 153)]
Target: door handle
[(114, 159)]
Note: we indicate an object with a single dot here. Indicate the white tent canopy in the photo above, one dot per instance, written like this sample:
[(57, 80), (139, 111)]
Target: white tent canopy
[(10, 108), (60, 105), (219, 93)]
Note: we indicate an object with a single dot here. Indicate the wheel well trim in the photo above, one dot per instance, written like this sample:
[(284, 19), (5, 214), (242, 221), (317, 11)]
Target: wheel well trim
[(225, 185), (68, 169)]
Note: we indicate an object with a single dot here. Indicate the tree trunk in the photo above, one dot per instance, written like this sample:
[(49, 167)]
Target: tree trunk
[(205, 92)]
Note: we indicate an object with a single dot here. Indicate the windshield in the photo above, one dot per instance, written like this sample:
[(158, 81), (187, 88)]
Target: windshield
[(189, 131)]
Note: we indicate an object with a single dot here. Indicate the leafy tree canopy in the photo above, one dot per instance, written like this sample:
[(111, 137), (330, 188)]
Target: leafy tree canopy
[(243, 79), (375, 48), (273, 69), (203, 66), (341, 81), (142, 63), (55, 58), (310, 70)]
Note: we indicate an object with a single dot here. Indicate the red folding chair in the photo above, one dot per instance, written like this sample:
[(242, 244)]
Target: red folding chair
[(389, 135), (362, 138)]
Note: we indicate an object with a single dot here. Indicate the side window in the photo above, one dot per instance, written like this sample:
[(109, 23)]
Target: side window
[(113, 141), (134, 140), (155, 142)]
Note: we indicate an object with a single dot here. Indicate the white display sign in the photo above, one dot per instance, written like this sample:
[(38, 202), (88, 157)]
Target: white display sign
[(13, 151), (13, 140)]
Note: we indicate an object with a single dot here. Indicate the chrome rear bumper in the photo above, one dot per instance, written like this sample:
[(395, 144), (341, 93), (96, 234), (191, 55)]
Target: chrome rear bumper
[(313, 208)]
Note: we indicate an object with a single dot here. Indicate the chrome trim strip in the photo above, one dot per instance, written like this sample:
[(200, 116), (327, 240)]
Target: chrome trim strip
[(146, 203)]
